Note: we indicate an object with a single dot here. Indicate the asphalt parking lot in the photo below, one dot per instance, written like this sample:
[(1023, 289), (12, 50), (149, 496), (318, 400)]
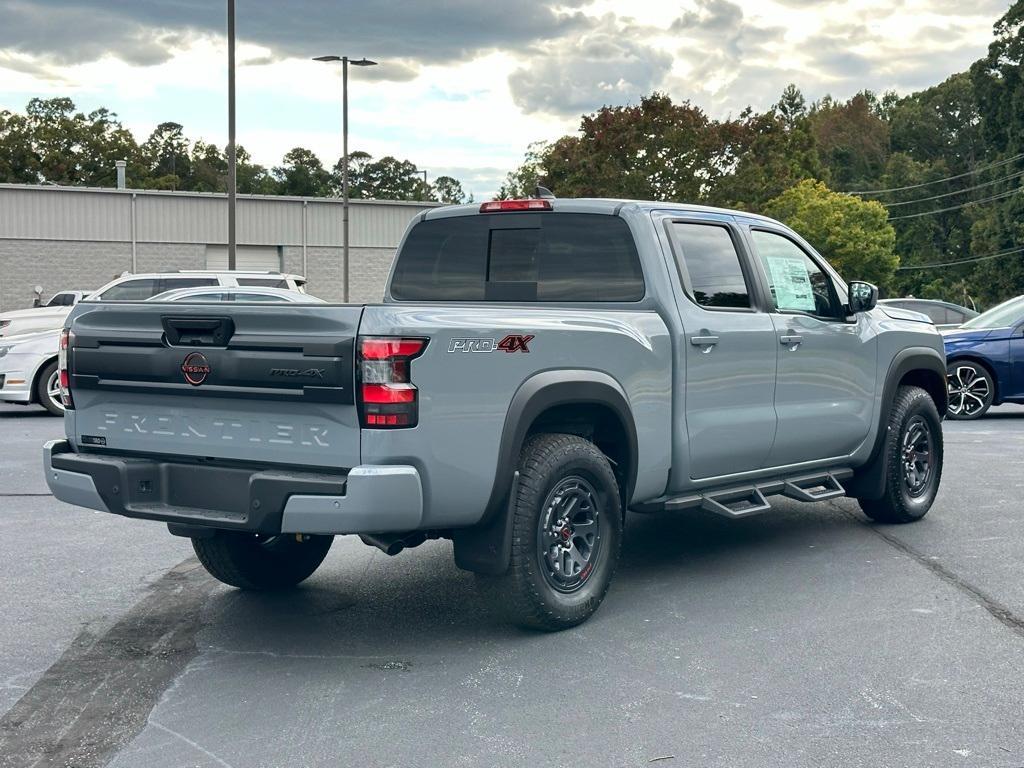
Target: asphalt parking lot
[(805, 637)]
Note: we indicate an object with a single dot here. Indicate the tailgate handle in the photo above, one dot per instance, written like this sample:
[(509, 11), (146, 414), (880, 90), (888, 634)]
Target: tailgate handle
[(198, 331)]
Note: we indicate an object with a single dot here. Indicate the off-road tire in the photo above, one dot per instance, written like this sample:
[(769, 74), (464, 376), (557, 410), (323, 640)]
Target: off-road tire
[(898, 504), (42, 389), (524, 594), (255, 562)]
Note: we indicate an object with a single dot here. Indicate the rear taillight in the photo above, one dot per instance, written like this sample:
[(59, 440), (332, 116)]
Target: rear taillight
[(387, 397), (67, 340)]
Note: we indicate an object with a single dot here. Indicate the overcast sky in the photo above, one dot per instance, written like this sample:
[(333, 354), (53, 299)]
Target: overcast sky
[(464, 86)]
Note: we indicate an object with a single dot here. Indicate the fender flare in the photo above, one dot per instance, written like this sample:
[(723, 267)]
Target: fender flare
[(869, 480), (486, 547)]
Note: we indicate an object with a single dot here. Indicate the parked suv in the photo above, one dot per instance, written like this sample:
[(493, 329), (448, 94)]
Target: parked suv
[(142, 287), (537, 368)]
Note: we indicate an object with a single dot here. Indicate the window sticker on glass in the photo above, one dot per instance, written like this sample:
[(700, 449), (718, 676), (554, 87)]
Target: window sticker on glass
[(791, 282)]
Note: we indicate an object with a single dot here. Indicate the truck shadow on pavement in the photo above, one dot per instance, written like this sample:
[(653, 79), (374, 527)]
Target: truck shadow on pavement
[(362, 603)]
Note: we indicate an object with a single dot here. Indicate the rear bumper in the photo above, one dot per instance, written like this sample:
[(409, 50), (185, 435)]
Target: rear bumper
[(366, 499)]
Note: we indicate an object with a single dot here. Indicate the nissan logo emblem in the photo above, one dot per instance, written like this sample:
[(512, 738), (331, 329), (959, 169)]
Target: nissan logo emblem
[(195, 368)]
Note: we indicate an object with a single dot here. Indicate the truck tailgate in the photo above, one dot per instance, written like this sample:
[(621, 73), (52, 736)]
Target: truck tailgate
[(268, 383)]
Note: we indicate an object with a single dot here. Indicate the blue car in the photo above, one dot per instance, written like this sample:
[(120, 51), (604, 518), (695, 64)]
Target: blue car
[(985, 361)]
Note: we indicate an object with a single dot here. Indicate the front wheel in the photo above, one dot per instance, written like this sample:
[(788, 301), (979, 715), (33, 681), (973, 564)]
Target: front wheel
[(971, 390), (566, 534), (48, 389), (248, 561), (913, 459)]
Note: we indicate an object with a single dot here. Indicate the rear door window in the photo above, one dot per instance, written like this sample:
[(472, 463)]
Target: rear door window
[(710, 259), (519, 257), (132, 290)]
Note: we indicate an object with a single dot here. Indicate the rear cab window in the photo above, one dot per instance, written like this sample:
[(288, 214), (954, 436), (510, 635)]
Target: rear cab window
[(707, 256), (547, 256)]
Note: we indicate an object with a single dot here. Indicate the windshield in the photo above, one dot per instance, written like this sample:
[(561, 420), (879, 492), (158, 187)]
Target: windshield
[(1002, 316)]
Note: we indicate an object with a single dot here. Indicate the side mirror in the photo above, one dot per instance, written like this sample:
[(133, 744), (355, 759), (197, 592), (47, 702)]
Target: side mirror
[(862, 296)]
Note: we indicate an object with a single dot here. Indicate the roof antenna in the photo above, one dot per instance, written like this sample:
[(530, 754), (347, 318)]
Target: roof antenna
[(543, 193)]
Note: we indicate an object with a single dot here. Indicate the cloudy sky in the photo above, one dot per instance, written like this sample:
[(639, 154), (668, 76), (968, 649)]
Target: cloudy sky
[(464, 86)]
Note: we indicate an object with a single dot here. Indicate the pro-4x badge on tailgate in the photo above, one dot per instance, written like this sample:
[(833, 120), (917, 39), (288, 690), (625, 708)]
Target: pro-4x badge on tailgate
[(195, 368), (511, 343)]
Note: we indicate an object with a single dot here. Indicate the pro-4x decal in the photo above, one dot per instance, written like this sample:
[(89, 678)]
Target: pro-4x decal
[(514, 342)]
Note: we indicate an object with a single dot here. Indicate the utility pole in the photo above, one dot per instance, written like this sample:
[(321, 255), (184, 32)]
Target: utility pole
[(232, 175)]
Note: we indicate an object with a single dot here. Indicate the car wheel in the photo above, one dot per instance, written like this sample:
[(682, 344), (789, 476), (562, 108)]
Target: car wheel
[(566, 535), (248, 561), (913, 459), (48, 389), (971, 390)]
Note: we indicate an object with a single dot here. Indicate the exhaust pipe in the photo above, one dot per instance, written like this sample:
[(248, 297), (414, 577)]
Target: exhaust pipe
[(393, 543)]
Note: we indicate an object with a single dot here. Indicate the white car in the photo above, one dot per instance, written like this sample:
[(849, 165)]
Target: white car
[(28, 362), (237, 294), (140, 288), (50, 315), (28, 370)]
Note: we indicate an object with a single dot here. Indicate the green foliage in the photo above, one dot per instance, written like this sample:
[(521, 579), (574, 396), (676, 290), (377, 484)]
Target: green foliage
[(939, 156), (53, 143), (851, 233)]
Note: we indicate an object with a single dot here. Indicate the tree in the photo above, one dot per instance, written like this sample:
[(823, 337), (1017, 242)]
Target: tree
[(853, 234), (386, 179), (448, 190), (656, 150), (522, 182), (851, 138), (772, 151), (167, 151), (19, 163), (998, 80), (302, 174)]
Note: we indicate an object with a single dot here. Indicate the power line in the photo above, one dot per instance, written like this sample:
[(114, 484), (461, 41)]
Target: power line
[(978, 169), (955, 192), (962, 261), (989, 199)]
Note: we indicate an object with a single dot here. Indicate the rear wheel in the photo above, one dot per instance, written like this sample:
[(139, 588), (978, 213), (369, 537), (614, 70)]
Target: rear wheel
[(566, 535), (48, 389), (971, 390), (249, 561), (913, 459)]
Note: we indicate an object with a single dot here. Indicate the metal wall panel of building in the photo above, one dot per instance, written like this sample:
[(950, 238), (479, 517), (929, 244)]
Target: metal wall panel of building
[(371, 225), (270, 221), (34, 213), (168, 218)]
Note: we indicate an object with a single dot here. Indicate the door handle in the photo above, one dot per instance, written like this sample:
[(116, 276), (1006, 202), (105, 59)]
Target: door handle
[(791, 340), (707, 342)]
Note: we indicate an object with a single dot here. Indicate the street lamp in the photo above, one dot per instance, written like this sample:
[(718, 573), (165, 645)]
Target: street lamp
[(345, 61)]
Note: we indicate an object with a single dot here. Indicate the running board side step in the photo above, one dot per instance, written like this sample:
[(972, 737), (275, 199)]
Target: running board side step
[(747, 500), (813, 488), (743, 502)]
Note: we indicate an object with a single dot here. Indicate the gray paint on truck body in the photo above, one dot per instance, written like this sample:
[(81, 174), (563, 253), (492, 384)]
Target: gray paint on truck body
[(702, 420)]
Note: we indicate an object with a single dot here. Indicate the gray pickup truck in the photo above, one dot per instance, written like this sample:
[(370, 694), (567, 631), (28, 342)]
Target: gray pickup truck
[(537, 368)]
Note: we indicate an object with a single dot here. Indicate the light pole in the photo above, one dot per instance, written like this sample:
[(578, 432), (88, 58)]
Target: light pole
[(232, 173), (426, 184), (345, 61)]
